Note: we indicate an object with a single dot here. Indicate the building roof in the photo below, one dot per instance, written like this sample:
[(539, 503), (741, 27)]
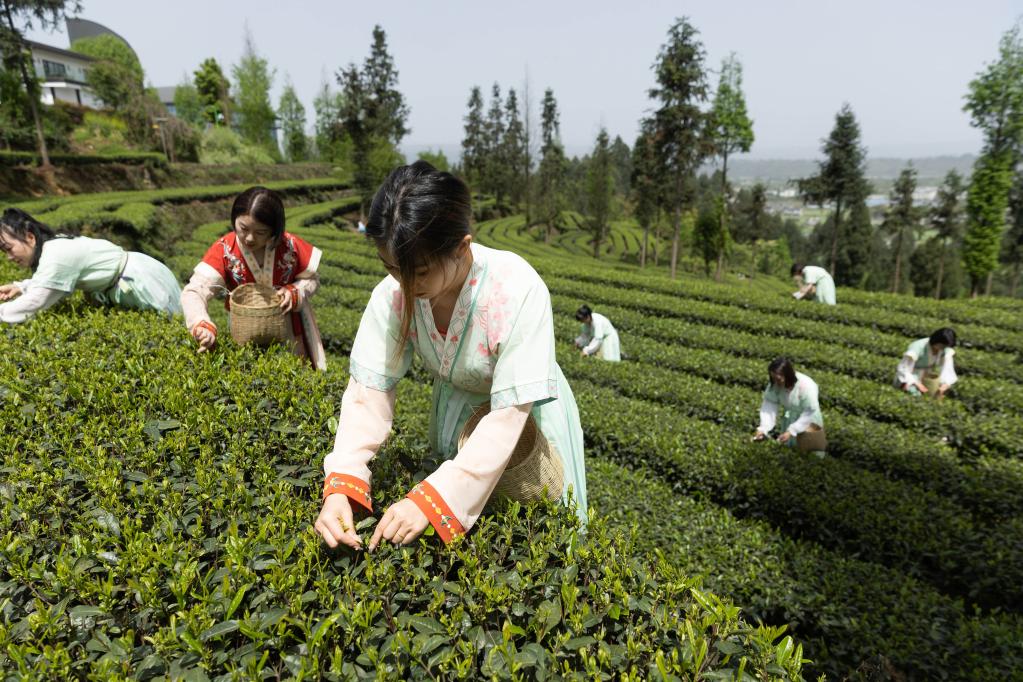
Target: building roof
[(59, 50), (166, 94)]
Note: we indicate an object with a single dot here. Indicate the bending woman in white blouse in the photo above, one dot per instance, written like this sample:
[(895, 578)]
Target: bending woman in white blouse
[(792, 401), (62, 263), (481, 322), (927, 367)]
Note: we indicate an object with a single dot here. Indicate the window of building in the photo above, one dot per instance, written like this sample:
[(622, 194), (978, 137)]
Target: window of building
[(54, 69)]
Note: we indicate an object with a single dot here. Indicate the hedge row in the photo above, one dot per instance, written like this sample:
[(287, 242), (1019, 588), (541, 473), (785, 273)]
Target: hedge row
[(830, 501), (852, 615), (155, 514), (10, 158), (989, 326)]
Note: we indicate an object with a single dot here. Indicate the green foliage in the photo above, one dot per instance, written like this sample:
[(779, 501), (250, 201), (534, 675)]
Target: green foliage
[(437, 159), (214, 92), (599, 188), (679, 123), (130, 158), (254, 113), (223, 146), (116, 77), (730, 126), (902, 223), (987, 201), (840, 180), (373, 115), (551, 172), (995, 97), (473, 143), (292, 117), (188, 105), (185, 550)]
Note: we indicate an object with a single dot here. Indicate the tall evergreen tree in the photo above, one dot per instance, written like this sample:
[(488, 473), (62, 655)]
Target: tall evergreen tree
[(214, 92), (328, 135), (902, 222), (840, 179), (1012, 247), (947, 222), (292, 116), (757, 221), (528, 140), (995, 105), (551, 174), (374, 116), (621, 165), (16, 18), (253, 79), (599, 186), (494, 170), (474, 148), (646, 185), (513, 150), (679, 120)]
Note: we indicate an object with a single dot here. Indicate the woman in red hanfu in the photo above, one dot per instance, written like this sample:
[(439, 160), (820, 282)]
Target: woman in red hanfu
[(258, 250)]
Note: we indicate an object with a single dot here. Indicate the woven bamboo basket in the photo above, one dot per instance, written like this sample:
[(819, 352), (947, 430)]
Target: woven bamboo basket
[(256, 316), (535, 464)]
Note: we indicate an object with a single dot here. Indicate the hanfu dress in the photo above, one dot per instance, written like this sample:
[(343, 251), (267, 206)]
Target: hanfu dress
[(920, 364), (824, 285), (498, 349), (796, 411), (600, 336), (107, 274), (292, 264)]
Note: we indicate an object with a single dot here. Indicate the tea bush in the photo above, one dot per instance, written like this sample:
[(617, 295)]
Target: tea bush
[(156, 509)]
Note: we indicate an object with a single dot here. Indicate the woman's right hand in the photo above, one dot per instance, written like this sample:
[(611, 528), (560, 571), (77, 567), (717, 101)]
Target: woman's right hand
[(758, 436), (9, 291), (335, 523), (205, 337)]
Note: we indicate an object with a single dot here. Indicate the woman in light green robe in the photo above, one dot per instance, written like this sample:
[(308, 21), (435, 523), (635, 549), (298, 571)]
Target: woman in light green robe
[(481, 323), (814, 280), (61, 264)]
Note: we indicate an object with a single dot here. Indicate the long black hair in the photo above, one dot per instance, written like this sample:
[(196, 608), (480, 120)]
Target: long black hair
[(262, 204), (17, 224), (583, 312), (783, 366), (945, 336), (796, 269), (419, 216)]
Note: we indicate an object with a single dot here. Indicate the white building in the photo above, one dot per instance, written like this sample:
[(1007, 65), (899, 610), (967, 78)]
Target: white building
[(62, 75)]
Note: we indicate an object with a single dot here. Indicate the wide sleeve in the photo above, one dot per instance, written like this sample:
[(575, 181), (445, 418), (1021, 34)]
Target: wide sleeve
[(810, 407), (768, 416), (948, 371), (905, 370), (363, 426), (196, 296), (34, 300), (453, 496), (526, 369), (306, 285), (59, 266), (378, 360)]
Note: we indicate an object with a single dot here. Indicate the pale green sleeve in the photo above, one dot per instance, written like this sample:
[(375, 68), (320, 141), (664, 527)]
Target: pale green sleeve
[(59, 267), (378, 360), (526, 370)]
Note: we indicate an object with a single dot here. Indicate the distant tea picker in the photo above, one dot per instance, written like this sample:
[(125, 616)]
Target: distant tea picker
[(813, 281), (597, 335), (927, 367), (62, 263)]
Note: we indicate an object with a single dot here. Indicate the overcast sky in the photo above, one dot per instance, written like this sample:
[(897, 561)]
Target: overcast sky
[(903, 65)]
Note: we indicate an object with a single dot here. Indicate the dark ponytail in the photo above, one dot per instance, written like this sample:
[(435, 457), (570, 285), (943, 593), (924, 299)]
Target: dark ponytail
[(419, 216), (18, 224)]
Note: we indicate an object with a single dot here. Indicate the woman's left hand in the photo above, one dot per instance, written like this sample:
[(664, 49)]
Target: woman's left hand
[(402, 523), (288, 299), (785, 438)]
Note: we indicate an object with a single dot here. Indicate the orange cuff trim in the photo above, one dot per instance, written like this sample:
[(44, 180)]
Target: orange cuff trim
[(355, 489), (437, 511), (203, 324)]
